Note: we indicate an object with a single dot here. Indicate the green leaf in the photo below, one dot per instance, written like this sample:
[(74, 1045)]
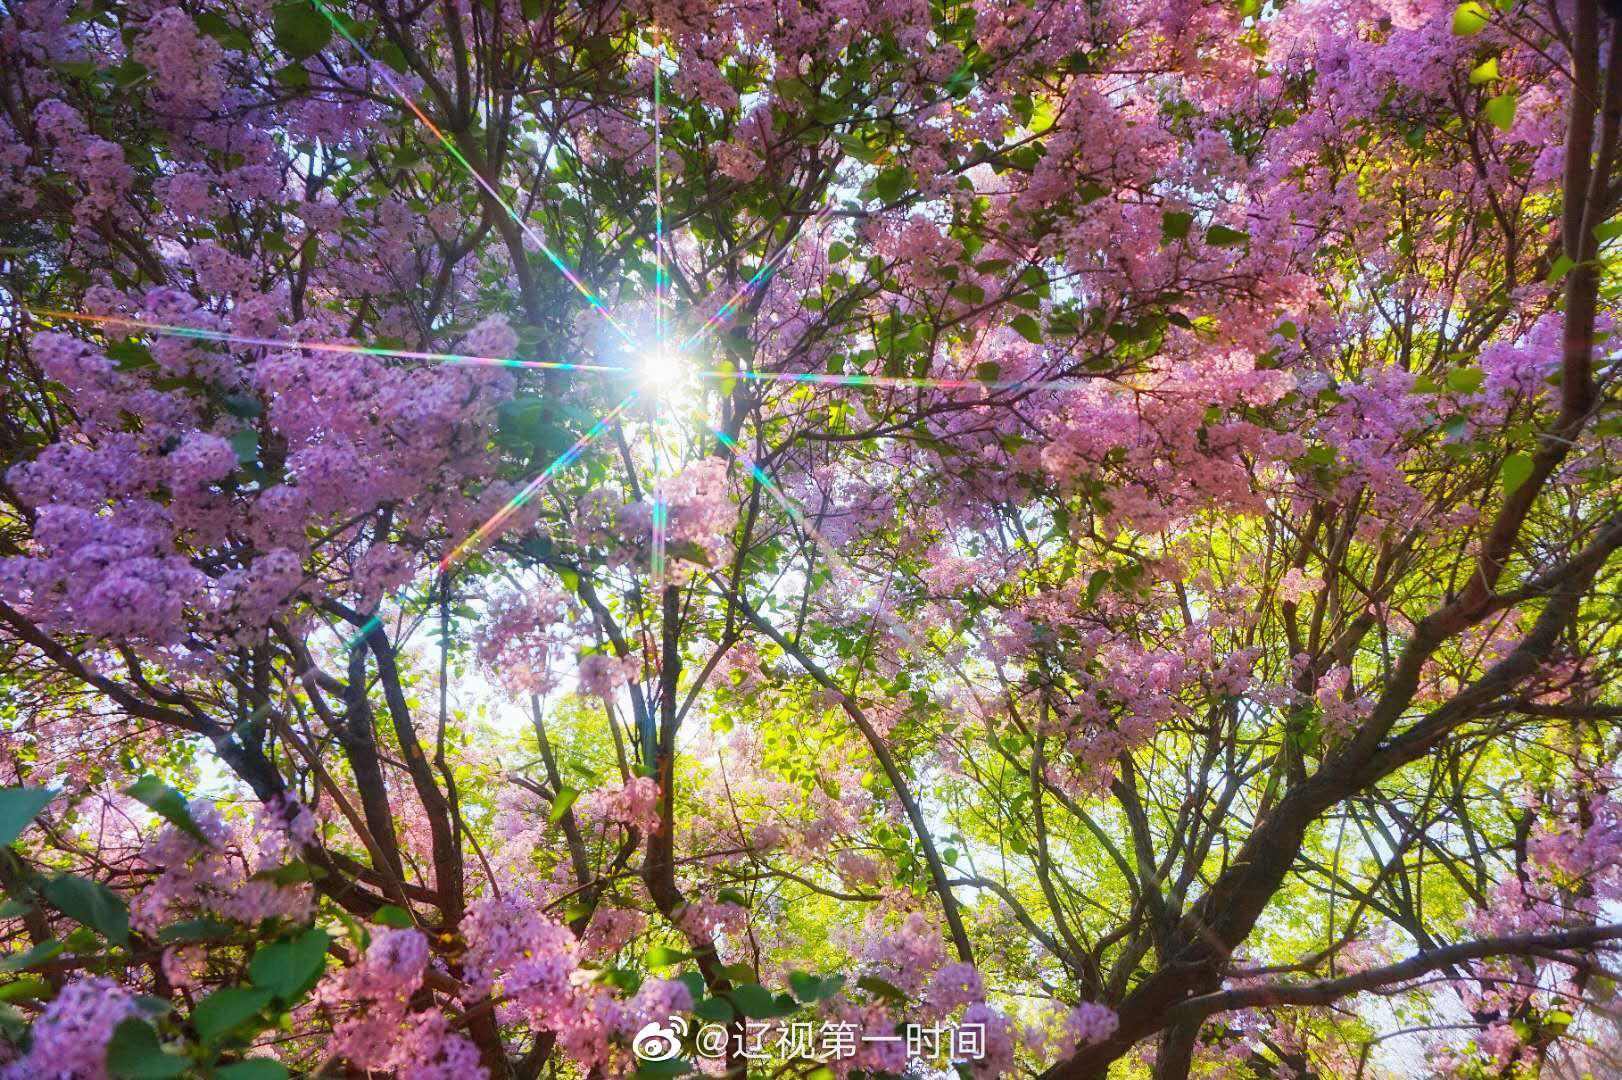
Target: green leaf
[(222, 1011), (130, 355), (1174, 225), (792, 89), (214, 25), (718, 1010), (82, 939), (809, 988), (890, 183), (129, 73), (246, 444), (838, 251), (667, 1069), (91, 903), (19, 806), (1486, 71), (689, 551), (153, 1006), (1516, 470), (168, 803), (1469, 19), (393, 915), (290, 873), (391, 54), (245, 406), (134, 1053), (294, 76), (195, 930), (253, 1069), (1223, 236), (25, 990), (1501, 110), (300, 30), (1096, 585), (287, 968), (664, 956), (804, 986), (1027, 328), (881, 988), (1465, 380), (45, 950), (737, 973), (1562, 266), (757, 1003)]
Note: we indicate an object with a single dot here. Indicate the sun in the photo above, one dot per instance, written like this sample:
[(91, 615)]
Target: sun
[(667, 375), (661, 370)]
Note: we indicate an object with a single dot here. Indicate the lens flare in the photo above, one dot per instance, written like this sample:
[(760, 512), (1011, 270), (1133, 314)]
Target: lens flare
[(534, 237), (221, 337), (759, 278), (537, 485), (661, 371), (799, 517), (512, 506)]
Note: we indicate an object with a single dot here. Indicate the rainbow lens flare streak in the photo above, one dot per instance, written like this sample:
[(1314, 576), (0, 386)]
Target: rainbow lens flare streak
[(224, 338), (513, 505), (811, 378), (393, 84), (535, 486), (829, 552), (759, 278), (657, 517)]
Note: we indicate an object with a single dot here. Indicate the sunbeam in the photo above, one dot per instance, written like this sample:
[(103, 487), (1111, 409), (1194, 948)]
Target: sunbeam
[(513, 505), (220, 336), (658, 368), (535, 486), (799, 517), (490, 189), (757, 279)]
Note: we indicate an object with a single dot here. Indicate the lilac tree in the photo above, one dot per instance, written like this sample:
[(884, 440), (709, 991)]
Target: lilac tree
[(1086, 522)]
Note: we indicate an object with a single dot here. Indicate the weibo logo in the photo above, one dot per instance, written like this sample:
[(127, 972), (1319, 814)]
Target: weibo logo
[(659, 1042)]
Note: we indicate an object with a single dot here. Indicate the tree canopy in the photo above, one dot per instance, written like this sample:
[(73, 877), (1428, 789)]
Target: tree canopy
[(527, 527)]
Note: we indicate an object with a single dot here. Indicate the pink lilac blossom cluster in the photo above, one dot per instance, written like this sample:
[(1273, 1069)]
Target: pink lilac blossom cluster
[(699, 513), (912, 958), (1572, 872), (1573, 868), (375, 1024), (534, 965), (634, 805), (125, 519), (70, 1037), (524, 638), (227, 872)]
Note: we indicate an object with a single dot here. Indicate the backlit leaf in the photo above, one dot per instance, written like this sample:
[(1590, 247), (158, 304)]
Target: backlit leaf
[(18, 807)]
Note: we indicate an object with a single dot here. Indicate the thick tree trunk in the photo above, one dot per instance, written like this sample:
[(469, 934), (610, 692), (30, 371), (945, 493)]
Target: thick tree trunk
[(1175, 1054)]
